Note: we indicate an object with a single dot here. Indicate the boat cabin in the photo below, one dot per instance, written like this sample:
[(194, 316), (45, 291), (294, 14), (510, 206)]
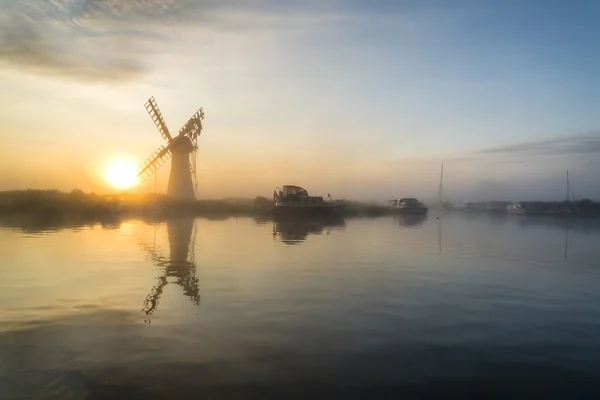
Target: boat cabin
[(404, 202), (292, 198), (291, 191), (408, 205)]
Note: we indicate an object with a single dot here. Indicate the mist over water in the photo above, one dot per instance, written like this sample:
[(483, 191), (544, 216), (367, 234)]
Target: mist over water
[(260, 308)]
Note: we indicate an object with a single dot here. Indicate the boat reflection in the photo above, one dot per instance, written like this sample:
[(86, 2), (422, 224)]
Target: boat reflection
[(179, 267), (410, 220), (295, 230)]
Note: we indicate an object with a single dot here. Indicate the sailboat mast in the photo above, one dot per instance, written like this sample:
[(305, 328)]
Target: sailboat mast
[(441, 184)]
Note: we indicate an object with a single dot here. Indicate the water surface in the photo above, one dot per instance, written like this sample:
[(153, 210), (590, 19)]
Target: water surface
[(247, 308)]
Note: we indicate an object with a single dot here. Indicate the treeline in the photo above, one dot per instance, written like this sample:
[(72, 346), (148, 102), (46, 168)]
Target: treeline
[(54, 202), (585, 207), (77, 204), (57, 205), (582, 207)]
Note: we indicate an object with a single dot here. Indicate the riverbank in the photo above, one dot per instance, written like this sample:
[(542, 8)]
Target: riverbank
[(56, 206), (581, 208)]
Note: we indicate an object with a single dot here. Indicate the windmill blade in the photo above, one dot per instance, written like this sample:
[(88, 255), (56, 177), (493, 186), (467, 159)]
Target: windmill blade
[(193, 127), (158, 119), (152, 163), (153, 298)]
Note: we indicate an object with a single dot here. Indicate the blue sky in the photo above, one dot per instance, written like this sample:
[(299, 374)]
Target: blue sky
[(363, 99)]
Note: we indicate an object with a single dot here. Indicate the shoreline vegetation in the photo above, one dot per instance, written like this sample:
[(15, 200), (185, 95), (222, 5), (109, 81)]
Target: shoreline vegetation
[(77, 203), (53, 207)]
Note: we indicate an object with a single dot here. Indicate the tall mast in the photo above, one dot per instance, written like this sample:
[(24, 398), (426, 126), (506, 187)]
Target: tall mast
[(441, 183)]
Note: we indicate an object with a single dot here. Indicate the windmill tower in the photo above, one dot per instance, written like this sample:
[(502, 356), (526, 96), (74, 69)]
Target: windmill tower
[(181, 149)]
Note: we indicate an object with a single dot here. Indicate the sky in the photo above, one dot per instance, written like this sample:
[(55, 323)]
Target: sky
[(360, 99)]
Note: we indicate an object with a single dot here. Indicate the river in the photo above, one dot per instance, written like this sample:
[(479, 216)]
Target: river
[(247, 308)]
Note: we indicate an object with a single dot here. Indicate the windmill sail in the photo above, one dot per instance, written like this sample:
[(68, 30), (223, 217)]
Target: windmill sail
[(152, 163), (193, 127), (158, 119)]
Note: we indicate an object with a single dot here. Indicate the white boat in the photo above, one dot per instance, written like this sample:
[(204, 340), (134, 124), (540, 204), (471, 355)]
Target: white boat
[(515, 208), (407, 205)]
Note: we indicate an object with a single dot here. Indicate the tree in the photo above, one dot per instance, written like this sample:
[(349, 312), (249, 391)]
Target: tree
[(262, 201)]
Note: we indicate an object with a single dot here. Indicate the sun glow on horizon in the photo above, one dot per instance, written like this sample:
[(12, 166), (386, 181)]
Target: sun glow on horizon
[(121, 173)]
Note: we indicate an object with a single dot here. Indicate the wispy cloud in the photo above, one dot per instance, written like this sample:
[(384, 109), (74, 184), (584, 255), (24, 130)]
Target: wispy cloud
[(588, 143), (584, 147), (28, 48), (69, 38), (579, 149), (106, 40)]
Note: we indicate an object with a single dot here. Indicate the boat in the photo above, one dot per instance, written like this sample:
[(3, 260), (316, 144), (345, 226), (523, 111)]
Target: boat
[(515, 208), (407, 205), (293, 200)]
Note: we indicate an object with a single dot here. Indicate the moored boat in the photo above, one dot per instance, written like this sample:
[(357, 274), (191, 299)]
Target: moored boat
[(407, 205), (515, 208), (292, 200)]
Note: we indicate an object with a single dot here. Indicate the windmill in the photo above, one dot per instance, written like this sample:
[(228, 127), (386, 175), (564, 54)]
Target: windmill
[(178, 149)]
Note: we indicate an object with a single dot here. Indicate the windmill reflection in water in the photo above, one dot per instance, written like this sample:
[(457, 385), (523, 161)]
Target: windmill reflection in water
[(180, 265)]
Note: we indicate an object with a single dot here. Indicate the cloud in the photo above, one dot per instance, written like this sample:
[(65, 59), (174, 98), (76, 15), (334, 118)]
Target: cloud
[(107, 40), (28, 48), (58, 38), (582, 144), (581, 147), (577, 148)]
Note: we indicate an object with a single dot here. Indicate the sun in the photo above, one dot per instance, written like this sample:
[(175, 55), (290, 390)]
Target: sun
[(121, 173)]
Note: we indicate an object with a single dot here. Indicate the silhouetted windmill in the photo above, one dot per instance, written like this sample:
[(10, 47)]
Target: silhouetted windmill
[(181, 263), (179, 148)]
